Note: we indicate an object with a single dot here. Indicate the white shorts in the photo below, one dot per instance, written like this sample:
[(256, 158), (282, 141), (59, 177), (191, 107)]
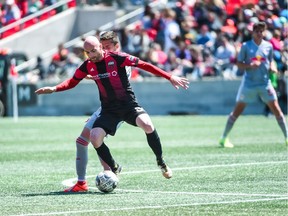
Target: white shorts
[(93, 117), (251, 94)]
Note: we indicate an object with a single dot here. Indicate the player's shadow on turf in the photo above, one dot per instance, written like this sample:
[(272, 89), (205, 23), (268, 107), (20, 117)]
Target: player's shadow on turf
[(59, 193)]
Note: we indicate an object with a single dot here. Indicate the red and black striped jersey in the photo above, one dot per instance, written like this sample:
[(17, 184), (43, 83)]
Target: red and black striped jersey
[(111, 78)]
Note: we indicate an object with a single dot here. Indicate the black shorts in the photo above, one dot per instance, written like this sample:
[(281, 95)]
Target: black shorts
[(109, 120)]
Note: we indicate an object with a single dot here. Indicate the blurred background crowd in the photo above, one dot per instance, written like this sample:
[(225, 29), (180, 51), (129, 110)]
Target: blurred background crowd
[(191, 38)]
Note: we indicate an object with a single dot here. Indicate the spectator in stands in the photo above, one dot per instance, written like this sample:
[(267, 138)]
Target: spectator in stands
[(182, 10), (11, 12), (205, 37), (147, 17), (58, 64), (198, 65), (49, 2), (182, 52), (230, 28), (74, 58), (79, 51), (215, 22), (284, 56), (188, 30), (171, 29), (209, 63), (59, 9), (23, 6), (156, 56), (136, 41), (173, 64), (184, 57), (159, 26), (1, 16), (34, 6), (225, 56), (40, 68), (200, 12), (278, 46)]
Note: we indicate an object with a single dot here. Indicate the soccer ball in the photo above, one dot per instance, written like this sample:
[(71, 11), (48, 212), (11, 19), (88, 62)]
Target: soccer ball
[(106, 181)]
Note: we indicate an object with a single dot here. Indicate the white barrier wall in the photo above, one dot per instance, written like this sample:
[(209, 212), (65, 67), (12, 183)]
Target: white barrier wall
[(157, 98)]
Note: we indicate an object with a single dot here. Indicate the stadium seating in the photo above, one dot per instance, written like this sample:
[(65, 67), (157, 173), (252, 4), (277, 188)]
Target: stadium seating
[(31, 22), (10, 32), (47, 15)]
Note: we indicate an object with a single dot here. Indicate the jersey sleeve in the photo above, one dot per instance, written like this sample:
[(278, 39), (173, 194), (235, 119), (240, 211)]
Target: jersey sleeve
[(128, 60), (67, 84), (153, 69)]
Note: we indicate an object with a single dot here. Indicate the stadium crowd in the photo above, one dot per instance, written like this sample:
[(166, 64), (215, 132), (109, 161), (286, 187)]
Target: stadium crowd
[(192, 38), (200, 38), (13, 10)]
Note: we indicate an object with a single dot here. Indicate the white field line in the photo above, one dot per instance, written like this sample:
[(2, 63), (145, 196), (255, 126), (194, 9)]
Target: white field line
[(71, 182), (154, 207)]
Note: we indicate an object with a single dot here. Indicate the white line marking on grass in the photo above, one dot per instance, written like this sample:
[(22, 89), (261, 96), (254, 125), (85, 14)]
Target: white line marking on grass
[(154, 207), (201, 193), (197, 193), (71, 182)]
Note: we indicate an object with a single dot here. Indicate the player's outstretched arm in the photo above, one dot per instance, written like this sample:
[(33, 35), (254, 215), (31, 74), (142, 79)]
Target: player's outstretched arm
[(178, 82), (175, 80), (65, 85), (46, 90)]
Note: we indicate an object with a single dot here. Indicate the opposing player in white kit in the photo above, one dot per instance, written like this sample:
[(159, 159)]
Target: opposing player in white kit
[(256, 58), (109, 41)]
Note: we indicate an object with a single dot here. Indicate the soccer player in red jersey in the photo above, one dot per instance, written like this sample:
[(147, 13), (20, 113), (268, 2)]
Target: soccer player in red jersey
[(118, 101), (110, 42)]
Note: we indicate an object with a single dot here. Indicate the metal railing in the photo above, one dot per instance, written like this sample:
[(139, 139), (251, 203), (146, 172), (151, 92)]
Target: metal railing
[(36, 15), (125, 20)]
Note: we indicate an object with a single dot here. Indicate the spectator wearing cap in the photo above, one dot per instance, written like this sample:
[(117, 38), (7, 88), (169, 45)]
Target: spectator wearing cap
[(11, 12)]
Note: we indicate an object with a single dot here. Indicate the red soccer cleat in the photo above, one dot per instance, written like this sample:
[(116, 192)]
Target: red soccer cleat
[(78, 187)]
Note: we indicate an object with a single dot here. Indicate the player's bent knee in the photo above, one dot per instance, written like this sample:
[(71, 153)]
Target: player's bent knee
[(97, 138), (148, 128)]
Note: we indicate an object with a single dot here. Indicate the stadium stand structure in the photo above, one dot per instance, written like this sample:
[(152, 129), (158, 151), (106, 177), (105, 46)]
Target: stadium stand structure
[(26, 22)]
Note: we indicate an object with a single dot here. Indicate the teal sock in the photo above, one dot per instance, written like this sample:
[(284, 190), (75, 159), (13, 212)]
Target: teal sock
[(282, 123), (229, 125)]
